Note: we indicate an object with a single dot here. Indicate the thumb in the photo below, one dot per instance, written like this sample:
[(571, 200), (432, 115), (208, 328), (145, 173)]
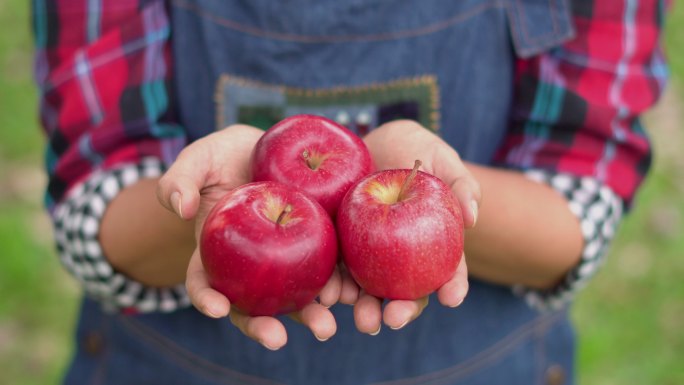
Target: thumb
[(449, 167), (179, 189), (468, 194)]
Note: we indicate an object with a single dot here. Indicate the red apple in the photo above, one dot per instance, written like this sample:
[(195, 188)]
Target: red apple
[(313, 154), (401, 233), (269, 248)]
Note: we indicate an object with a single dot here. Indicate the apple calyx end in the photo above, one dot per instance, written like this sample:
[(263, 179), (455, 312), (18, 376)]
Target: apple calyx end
[(281, 217), (313, 159)]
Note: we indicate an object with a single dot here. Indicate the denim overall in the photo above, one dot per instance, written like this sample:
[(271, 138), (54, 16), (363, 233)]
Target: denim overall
[(446, 64)]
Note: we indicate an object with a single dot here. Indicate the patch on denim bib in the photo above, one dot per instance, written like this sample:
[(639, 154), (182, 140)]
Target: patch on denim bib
[(359, 108)]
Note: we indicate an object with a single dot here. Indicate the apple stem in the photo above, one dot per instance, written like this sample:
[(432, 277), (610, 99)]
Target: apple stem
[(285, 211), (409, 180), (313, 163), (307, 159)]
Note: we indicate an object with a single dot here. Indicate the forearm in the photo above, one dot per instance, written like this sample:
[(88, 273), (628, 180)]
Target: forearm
[(143, 240), (525, 233)]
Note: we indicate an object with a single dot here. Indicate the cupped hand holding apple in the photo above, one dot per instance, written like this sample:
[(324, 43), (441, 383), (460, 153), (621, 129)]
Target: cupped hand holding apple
[(213, 166), (203, 173), (440, 160)]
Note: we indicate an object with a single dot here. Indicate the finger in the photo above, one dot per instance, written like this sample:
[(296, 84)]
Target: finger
[(447, 164), (179, 188), (399, 313), (207, 300), (368, 314), (319, 319), (267, 331), (453, 292), (467, 192), (350, 290), (330, 293), (396, 134)]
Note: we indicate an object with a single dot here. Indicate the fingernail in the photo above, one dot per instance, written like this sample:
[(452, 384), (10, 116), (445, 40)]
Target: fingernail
[(318, 301), (176, 203), (321, 339), (269, 347), (458, 304), (214, 312), (473, 209), (375, 333), (400, 326)]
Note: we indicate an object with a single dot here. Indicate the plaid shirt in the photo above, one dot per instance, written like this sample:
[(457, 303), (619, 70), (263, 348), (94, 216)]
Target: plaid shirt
[(104, 72), (577, 107)]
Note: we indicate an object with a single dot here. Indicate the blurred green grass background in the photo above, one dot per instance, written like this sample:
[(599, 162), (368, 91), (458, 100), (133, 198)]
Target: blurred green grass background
[(630, 319)]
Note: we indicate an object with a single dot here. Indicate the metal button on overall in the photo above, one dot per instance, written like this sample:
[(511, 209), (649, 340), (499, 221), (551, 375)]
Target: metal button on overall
[(93, 343), (555, 375)]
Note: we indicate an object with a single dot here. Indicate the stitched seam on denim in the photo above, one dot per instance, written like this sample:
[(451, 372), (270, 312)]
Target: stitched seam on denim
[(103, 362), (429, 80), (539, 353), (483, 358), (189, 360), (220, 102), (539, 41), (257, 32), (523, 25)]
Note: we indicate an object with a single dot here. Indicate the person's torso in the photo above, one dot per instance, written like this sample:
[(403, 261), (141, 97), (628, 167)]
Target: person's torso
[(446, 64)]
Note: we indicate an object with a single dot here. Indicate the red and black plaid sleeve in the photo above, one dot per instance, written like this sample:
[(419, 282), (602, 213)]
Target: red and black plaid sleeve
[(104, 73), (104, 78), (576, 123), (577, 107)]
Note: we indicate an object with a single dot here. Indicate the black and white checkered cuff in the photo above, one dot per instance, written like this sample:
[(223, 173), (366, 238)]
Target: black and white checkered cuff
[(77, 224), (599, 211)]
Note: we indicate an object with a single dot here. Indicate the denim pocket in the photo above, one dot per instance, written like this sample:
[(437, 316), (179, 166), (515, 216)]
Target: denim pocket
[(537, 25)]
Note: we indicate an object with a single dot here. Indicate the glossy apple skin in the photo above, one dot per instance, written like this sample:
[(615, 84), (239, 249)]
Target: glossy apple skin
[(405, 250), (279, 156), (262, 267)]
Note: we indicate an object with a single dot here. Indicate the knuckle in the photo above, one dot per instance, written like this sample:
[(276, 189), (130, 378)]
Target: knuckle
[(189, 287), (251, 329), (402, 124), (201, 299), (163, 183), (239, 126), (475, 187), (233, 126), (159, 192), (166, 184)]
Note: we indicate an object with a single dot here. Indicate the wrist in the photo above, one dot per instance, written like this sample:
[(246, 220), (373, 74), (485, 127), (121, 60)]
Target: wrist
[(143, 240)]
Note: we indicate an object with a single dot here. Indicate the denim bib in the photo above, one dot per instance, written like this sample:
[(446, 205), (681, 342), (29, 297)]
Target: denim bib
[(446, 64)]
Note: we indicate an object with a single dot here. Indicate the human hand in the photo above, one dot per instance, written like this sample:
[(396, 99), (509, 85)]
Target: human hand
[(201, 175), (397, 145)]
